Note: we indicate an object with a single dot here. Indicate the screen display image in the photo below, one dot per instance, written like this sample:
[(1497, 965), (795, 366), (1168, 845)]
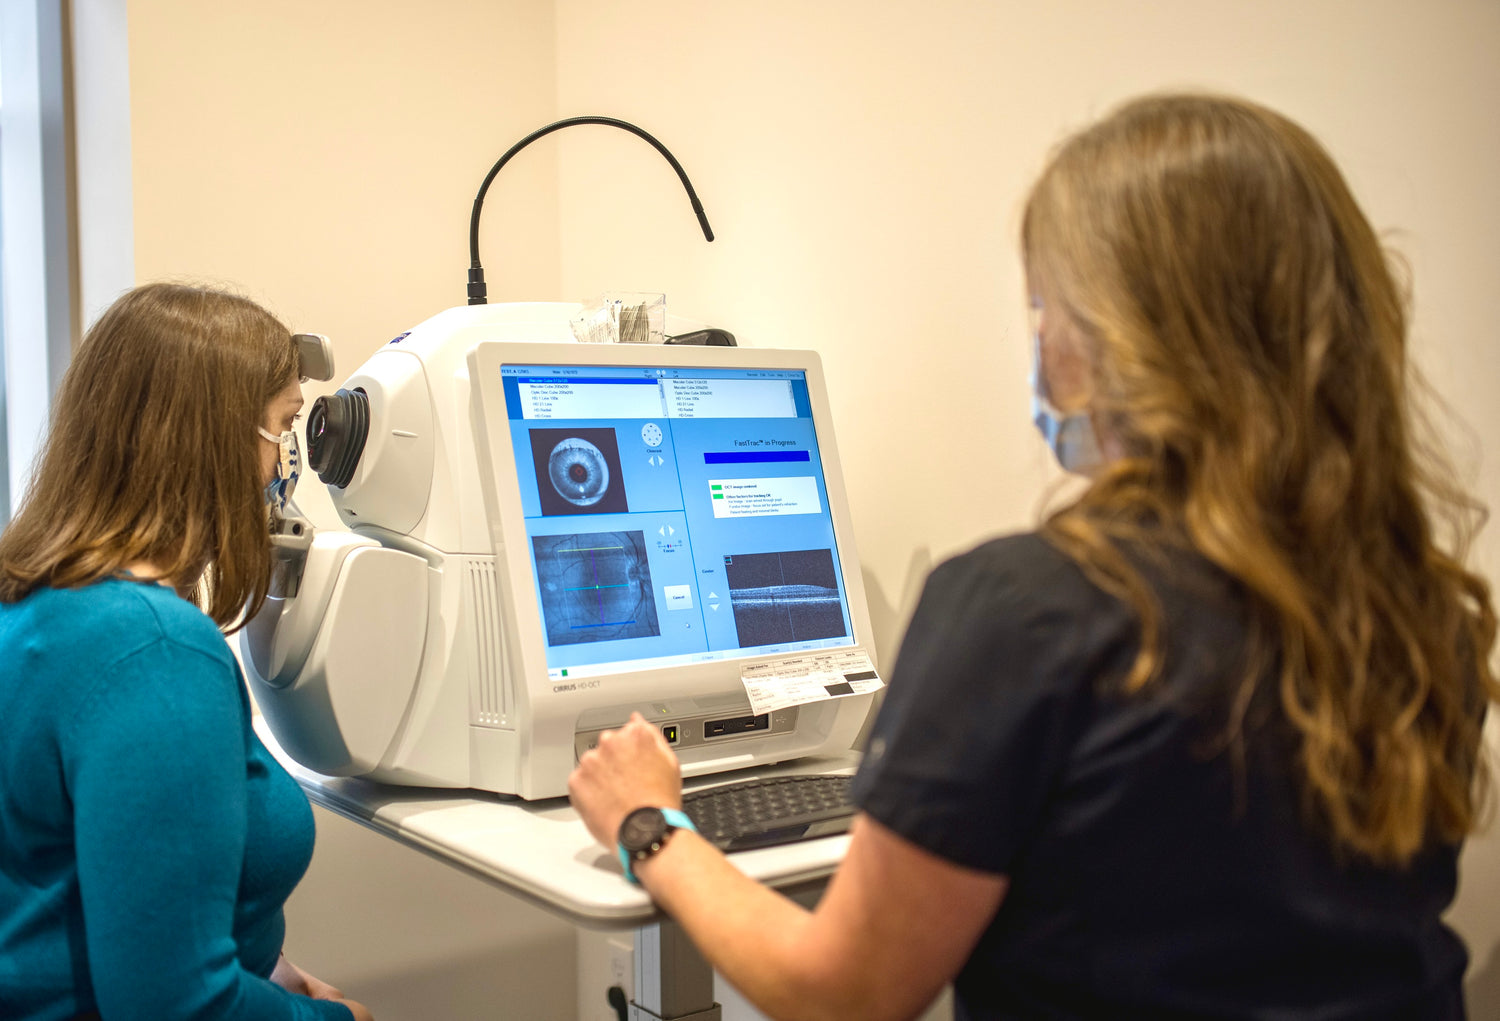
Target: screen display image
[(673, 515), (578, 471), (784, 597), (594, 587)]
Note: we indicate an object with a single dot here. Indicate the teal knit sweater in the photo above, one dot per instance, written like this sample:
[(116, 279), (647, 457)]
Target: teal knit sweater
[(147, 838)]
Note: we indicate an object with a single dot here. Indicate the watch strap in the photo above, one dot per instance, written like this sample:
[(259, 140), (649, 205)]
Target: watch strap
[(675, 820), (678, 819)]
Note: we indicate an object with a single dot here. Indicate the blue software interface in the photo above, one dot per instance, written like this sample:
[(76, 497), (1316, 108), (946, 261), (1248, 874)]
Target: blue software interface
[(673, 515)]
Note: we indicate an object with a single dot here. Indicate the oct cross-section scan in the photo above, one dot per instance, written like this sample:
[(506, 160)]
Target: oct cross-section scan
[(784, 597)]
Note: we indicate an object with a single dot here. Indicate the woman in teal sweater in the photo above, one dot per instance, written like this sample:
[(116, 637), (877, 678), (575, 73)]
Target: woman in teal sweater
[(147, 839)]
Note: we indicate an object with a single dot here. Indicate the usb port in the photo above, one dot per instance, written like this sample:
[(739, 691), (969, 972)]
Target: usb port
[(737, 725)]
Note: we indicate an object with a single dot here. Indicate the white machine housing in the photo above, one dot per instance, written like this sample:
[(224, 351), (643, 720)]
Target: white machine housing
[(413, 651)]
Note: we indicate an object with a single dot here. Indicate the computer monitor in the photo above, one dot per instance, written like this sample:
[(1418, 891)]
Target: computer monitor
[(585, 531), (672, 514)]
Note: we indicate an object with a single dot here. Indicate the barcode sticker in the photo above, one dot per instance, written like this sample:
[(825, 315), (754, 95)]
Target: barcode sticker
[(812, 678)]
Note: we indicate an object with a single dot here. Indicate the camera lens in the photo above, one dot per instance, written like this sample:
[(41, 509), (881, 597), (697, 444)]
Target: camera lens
[(337, 428)]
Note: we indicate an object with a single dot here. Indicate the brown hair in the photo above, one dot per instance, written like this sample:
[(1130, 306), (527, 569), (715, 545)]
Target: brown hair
[(1251, 363), (153, 452)]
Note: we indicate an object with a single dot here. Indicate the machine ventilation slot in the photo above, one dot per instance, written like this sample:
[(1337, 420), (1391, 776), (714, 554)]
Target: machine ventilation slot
[(492, 701)]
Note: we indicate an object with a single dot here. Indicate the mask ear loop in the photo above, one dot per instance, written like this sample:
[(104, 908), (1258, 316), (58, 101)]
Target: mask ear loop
[(1034, 327), (1071, 436), (1043, 415), (288, 455)]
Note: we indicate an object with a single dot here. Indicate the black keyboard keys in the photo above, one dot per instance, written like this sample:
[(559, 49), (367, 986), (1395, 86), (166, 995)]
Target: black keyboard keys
[(775, 810)]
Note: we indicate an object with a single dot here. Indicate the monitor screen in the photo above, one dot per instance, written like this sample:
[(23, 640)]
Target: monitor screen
[(673, 515)]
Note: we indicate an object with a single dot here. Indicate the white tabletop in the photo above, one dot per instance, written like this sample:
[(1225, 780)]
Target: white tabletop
[(540, 850)]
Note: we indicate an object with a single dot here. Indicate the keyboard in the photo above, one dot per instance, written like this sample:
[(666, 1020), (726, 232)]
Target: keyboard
[(775, 810)]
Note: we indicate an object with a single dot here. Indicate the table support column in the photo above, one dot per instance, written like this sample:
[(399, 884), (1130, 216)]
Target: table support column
[(672, 980)]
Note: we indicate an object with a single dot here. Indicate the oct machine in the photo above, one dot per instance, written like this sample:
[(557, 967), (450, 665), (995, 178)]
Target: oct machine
[(543, 537)]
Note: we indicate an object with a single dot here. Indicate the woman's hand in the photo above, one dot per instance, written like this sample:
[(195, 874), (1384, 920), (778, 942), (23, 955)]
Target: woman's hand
[(294, 980), (359, 1010), (632, 767)]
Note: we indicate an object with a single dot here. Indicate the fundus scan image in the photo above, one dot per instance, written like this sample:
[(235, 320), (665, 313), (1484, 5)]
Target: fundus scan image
[(578, 471), (595, 586)]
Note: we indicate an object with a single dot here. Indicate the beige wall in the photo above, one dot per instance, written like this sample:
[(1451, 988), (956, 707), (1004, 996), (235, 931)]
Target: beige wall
[(323, 157), (863, 165)]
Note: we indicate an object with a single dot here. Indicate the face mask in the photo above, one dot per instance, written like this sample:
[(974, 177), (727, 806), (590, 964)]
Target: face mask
[(1071, 437), (288, 468)]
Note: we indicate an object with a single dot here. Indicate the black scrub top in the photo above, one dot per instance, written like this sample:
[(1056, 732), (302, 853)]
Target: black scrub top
[(1149, 877)]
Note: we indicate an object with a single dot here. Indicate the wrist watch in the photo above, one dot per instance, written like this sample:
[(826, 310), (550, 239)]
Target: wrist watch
[(645, 831)]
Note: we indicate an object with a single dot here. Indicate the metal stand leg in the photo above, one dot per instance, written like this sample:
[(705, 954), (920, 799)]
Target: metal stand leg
[(672, 980)]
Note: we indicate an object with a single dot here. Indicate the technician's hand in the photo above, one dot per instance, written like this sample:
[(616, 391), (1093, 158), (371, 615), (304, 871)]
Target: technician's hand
[(633, 767)]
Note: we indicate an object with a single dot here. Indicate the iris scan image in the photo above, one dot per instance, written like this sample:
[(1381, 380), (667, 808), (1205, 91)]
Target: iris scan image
[(578, 471)]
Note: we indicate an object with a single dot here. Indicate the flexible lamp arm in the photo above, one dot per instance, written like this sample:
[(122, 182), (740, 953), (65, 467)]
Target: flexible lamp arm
[(477, 290)]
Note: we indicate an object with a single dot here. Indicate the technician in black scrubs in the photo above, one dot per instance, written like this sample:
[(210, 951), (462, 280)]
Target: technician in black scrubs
[(1205, 744)]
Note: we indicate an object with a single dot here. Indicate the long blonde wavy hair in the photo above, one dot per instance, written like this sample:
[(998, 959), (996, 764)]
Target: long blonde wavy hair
[(1249, 339)]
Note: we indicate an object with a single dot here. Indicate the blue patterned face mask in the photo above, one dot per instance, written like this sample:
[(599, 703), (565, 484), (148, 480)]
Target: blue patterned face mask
[(1071, 437), (288, 469)]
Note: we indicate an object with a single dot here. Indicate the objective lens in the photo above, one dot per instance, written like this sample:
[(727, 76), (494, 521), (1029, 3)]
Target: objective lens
[(337, 428)]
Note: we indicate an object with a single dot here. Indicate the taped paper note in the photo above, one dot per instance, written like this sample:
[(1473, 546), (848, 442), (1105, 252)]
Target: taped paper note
[(813, 678)]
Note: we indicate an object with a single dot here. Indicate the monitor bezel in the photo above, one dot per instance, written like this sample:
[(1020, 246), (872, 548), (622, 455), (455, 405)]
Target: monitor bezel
[(502, 495)]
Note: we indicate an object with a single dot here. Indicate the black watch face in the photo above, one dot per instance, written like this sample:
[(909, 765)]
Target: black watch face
[(642, 828)]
